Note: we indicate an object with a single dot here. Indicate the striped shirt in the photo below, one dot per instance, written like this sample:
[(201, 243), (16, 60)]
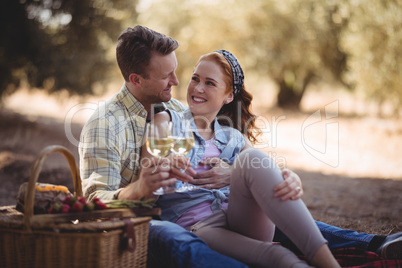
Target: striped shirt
[(110, 144)]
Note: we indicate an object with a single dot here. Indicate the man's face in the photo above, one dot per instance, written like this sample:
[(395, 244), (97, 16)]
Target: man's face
[(161, 77)]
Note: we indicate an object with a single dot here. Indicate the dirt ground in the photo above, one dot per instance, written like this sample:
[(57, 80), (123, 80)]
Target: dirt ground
[(362, 190)]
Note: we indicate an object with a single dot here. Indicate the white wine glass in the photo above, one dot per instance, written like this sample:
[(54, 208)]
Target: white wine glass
[(183, 142), (159, 143)]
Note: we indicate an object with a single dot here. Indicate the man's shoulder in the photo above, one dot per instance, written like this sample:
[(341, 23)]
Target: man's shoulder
[(175, 105), (106, 109), (109, 114)]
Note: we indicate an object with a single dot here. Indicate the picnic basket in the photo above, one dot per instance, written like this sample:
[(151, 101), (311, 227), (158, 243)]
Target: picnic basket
[(101, 238)]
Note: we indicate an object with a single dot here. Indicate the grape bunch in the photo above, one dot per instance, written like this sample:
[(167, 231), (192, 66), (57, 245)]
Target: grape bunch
[(74, 204)]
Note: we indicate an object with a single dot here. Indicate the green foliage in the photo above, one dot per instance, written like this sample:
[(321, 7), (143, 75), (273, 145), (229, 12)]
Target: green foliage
[(296, 44), (355, 44), (70, 44), (374, 38), (292, 42), (59, 44)]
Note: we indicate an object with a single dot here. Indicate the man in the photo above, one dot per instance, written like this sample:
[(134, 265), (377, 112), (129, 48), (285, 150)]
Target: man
[(110, 150)]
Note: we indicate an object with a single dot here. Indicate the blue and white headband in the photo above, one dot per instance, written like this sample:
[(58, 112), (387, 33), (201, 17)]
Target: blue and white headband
[(238, 75)]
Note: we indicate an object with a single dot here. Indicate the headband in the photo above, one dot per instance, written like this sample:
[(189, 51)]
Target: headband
[(238, 76)]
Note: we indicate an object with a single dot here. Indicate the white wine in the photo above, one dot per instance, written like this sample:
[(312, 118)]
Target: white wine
[(159, 147), (182, 146)]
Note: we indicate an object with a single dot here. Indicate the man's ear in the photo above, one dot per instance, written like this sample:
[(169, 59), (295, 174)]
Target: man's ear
[(135, 79), (229, 98)]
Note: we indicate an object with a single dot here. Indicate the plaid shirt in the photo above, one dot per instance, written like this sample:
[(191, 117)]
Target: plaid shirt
[(110, 144)]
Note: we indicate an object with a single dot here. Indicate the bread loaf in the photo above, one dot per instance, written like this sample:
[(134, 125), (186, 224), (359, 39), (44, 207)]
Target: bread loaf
[(45, 196)]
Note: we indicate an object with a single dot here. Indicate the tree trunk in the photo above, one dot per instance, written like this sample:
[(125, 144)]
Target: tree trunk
[(287, 97)]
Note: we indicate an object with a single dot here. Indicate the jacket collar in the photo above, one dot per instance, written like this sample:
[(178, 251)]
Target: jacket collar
[(218, 129)]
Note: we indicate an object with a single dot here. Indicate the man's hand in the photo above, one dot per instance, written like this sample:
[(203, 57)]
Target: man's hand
[(215, 178), (156, 173), (290, 188)]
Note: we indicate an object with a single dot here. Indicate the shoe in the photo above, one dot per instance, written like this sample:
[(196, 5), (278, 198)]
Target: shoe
[(392, 247)]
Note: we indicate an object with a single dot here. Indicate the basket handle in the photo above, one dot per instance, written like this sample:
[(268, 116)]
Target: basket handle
[(34, 174)]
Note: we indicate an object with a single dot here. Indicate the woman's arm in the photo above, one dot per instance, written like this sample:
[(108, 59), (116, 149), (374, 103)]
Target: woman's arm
[(219, 176), (291, 187), (215, 178), (248, 144)]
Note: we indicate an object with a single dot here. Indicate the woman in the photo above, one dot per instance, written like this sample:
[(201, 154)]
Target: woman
[(239, 223)]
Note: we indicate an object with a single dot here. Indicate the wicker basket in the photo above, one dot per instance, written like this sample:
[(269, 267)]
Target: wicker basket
[(53, 240)]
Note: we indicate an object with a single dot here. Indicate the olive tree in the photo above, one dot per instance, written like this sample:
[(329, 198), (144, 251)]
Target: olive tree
[(59, 44), (373, 38)]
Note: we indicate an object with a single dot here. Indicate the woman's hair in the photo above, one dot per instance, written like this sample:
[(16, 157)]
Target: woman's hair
[(135, 47), (236, 114)]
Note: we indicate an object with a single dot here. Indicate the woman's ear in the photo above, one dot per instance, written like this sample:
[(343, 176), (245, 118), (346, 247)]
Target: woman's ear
[(229, 98)]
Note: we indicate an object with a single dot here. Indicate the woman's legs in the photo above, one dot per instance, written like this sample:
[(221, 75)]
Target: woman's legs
[(252, 202)]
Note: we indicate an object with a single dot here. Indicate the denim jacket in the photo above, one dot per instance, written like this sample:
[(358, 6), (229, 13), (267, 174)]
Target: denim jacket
[(228, 140)]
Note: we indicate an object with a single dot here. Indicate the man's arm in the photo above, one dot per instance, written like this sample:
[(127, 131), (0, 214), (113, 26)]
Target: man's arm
[(151, 178), (99, 161), (156, 173)]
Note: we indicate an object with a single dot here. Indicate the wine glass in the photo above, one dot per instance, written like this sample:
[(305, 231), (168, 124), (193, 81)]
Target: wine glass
[(183, 142), (159, 143)]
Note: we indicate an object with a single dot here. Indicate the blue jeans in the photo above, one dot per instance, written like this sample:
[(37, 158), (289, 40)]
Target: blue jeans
[(336, 237), (170, 245)]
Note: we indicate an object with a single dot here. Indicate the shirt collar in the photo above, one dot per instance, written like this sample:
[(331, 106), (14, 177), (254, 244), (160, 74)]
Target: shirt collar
[(218, 129), (134, 107)]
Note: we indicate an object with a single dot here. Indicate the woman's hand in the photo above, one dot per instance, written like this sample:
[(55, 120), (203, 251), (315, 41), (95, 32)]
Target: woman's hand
[(215, 178), (290, 188)]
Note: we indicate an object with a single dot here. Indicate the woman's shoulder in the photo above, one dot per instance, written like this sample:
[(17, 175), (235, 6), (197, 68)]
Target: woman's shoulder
[(231, 133)]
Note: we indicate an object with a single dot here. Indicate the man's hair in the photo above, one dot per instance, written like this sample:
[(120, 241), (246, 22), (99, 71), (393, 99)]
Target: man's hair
[(135, 47)]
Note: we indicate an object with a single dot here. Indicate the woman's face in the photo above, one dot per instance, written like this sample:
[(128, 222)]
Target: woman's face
[(207, 90)]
